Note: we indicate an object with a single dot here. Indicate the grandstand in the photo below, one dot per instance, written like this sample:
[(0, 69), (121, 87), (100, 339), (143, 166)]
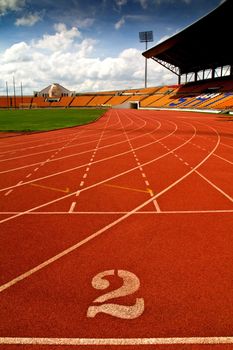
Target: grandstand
[(204, 61)]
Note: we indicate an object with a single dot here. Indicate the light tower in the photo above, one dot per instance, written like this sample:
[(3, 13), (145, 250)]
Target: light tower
[(146, 37)]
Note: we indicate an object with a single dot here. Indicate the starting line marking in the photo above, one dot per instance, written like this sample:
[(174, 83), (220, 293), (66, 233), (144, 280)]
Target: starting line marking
[(148, 190), (116, 341), (119, 212), (67, 190)]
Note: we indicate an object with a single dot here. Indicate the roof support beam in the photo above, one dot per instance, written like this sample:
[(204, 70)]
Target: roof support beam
[(167, 65)]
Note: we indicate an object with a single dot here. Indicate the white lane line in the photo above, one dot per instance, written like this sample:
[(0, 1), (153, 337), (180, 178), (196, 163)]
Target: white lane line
[(8, 192), (81, 183), (36, 169), (116, 341), (72, 207), (214, 211), (215, 186), (28, 175), (226, 160)]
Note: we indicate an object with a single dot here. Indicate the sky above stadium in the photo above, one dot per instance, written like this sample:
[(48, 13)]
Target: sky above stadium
[(88, 45)]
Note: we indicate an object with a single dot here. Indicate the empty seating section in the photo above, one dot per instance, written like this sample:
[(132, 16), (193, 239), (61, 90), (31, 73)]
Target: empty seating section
[(136, 98), (81, 101), (117, 100), (64, 102), (99, 101), (15, 101), (150, 99), (40, 102), (4, 102), (225, 103)]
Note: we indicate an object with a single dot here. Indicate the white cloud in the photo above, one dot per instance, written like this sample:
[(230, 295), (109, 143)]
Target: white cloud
[(28, 20), (63, 39), (71, 63), (10, 5), (85, 23), (123, 19), (120, 23), (19, 52), (121, 2)]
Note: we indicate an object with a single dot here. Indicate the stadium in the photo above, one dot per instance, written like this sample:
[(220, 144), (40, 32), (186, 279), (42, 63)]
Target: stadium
[(117, 206)]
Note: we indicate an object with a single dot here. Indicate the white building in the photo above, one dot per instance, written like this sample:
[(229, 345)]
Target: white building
[(54, 92)]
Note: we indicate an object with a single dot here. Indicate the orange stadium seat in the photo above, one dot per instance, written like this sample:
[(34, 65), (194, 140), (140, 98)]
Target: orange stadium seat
[(81, 101), (5, 102), (64, 102), (99, 100), (40, 102)]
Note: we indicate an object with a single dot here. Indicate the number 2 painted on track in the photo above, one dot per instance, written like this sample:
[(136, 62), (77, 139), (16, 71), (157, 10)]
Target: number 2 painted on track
[(130, 285)]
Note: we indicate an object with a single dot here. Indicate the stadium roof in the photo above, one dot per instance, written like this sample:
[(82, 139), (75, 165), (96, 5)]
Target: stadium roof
[(206, 44)]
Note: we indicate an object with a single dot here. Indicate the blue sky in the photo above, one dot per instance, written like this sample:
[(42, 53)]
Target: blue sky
[(88, 45)]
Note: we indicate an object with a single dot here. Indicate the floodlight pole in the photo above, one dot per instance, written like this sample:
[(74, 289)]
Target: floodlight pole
[(146, 69), (146, 37)]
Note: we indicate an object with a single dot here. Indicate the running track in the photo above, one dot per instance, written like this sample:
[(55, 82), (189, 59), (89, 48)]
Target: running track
[(118, 234)]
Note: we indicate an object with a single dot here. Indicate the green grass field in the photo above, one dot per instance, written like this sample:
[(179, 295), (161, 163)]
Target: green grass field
[(46, 119)]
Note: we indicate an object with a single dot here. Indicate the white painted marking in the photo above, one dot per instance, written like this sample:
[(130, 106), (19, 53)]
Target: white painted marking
[(186, 163), (36, 169), (7, 193), (77, 193), (29, 175), (215, 186), (130, 285), (72, 207), (157, 207), (226, 160), (87, 169), (147, 183), (143, 175), (181, 159), (115, 341), (84, 176), (81, 183), (214, 211)]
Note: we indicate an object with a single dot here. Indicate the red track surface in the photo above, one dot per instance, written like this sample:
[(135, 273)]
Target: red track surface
[(148, 193)]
